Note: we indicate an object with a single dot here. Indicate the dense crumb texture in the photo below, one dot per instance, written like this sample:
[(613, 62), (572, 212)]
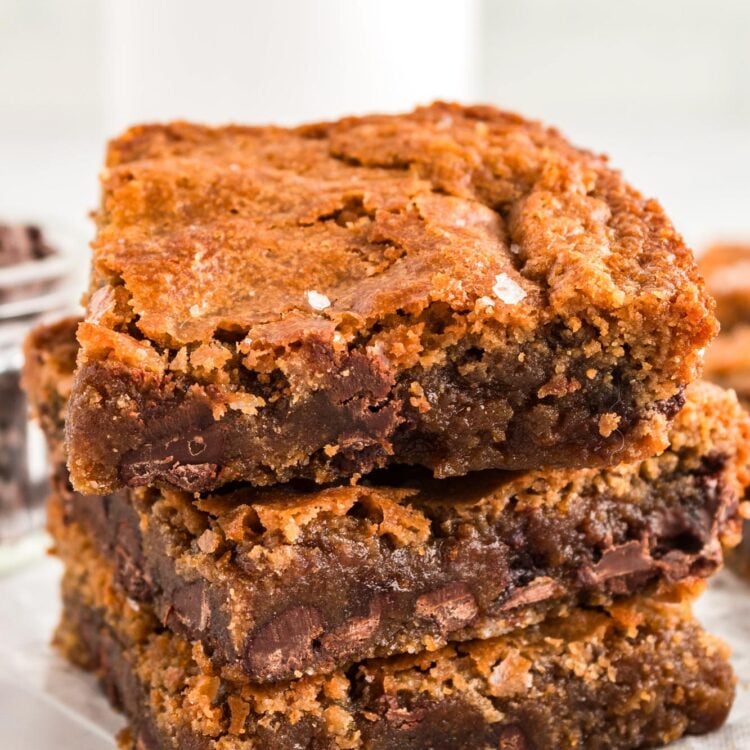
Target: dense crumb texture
[(638, 675), (456, 288), (278, 582)]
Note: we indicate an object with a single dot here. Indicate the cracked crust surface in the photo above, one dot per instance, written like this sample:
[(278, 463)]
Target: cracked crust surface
[(455, 287), (640, 674)]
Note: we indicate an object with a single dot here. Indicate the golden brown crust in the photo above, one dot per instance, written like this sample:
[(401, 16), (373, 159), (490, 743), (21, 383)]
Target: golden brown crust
[(232, 226)]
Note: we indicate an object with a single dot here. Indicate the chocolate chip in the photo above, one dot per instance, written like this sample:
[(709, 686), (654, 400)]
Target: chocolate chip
[(632, 557), (669, 407), (190, 605), (538, 590), (190, 460), (285, 643), (145, 473), (129, 555), (352, 632), (192, 477), (368, 378), (452, 606)]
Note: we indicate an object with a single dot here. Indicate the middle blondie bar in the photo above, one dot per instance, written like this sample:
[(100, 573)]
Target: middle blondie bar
[(288, 580)]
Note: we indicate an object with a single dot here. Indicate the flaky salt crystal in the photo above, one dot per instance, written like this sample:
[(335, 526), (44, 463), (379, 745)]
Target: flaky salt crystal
[(317, 301), (507, 290)]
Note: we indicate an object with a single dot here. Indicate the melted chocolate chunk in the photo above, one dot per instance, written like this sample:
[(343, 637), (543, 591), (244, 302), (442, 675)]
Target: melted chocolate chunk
[(284, 644)]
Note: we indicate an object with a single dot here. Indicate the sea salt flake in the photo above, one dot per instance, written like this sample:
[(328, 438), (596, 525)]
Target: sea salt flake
[(507, 290), (195, 311), (317, 301)]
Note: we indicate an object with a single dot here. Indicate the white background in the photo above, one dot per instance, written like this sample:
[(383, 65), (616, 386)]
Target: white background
[(661, 85)]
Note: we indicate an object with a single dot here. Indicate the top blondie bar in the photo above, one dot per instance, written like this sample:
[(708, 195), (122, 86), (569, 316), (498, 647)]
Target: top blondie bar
[(456, 287)]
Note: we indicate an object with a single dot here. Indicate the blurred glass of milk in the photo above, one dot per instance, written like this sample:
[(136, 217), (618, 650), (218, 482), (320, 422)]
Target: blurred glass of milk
[(283, 61)]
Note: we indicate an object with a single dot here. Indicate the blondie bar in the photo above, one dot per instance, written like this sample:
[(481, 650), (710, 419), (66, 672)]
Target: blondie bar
[(727, 272), (296, 579), (636, 675), (292, 579), (456, 288)]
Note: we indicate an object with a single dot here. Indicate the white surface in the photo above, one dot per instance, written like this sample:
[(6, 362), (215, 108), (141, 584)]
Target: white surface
[(46, 704)]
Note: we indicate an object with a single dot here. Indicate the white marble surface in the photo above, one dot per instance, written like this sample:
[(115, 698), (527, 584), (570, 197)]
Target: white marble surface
[(47, 704)]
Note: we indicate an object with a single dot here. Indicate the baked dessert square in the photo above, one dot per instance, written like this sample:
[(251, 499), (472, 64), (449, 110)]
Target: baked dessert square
[(456, 288), (640, 674), (289, 580), (727, 272), (726, 269)]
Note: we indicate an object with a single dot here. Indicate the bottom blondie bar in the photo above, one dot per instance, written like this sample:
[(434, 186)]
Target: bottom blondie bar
[(635, 675)]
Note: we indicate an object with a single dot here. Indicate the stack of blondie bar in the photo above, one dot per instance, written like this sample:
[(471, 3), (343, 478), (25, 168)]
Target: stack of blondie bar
[(383, 433)]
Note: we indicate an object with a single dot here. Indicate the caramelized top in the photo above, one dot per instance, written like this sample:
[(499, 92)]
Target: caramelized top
[(268, 233)]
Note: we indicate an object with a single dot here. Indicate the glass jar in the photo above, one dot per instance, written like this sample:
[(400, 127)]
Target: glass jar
[(34, 286)]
